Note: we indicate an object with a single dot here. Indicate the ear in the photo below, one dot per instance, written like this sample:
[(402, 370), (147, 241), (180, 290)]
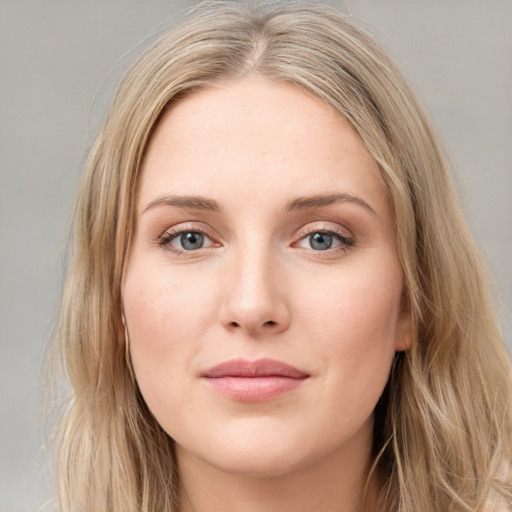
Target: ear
[(406, 327)]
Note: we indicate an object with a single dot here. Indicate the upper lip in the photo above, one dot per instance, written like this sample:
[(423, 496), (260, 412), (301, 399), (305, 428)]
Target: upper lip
[(258, 368)]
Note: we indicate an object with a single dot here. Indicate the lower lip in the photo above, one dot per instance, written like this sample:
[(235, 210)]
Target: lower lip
[(253, 389)]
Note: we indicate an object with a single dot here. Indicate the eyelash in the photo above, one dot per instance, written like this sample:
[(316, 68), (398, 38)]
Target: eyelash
[(168, 236), (346, 242)]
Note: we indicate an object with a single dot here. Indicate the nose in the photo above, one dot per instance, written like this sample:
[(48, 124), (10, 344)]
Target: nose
[(255, 297)]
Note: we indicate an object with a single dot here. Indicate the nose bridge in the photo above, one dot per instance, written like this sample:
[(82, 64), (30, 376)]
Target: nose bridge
[(253, 296)]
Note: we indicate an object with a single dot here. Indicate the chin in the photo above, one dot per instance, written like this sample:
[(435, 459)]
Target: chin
[(269, 446), (259, 453), (249, 448), (259, 462)]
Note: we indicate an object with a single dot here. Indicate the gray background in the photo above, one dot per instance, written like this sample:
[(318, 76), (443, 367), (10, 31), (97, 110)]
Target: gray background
[(58, 68)]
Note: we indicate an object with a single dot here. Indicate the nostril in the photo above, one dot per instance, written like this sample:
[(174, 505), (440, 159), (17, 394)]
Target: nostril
[(252, 325)]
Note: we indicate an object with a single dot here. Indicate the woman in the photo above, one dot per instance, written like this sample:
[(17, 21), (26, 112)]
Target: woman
[(274, 302)]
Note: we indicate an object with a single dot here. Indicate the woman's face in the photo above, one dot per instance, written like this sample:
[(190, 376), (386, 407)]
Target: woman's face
[(262, 294)]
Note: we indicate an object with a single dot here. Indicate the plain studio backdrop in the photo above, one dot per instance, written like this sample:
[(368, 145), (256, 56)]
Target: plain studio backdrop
[(59, 63)]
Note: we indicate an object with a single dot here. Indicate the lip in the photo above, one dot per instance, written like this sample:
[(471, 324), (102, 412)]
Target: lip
[(253, 381)]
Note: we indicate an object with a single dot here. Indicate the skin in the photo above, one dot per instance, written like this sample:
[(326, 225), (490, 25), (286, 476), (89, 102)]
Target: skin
[(257, 288)]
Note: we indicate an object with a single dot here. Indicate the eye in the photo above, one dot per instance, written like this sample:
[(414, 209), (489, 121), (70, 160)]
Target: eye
[(190, 241), (324, 240), (185, 240), (321, 241)]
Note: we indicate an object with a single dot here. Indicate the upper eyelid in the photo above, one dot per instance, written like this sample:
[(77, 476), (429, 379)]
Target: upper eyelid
[(183, 227), (324, 226)]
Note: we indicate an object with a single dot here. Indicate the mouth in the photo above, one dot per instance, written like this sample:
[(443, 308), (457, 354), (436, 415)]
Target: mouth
[(254, 381)]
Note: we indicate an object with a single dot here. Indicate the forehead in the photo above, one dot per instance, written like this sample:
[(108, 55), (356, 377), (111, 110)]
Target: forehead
[(258, 140)]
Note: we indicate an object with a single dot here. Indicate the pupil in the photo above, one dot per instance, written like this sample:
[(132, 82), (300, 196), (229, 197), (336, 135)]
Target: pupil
[(191, 241), (320, 241)]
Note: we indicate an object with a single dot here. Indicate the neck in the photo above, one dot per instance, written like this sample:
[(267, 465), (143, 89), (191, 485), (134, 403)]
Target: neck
[(336, 483)]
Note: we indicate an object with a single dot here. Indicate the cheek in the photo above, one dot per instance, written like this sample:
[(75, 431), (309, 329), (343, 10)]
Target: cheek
[(167, 317), (355, 326), (163, 305), (364, 302)]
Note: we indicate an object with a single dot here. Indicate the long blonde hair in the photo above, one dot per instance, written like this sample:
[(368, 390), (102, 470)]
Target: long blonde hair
[(443, 437)]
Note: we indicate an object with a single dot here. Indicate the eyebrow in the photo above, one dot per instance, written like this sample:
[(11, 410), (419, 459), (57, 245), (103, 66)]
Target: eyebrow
[(193, 202), (300, 203), (306, 203)]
